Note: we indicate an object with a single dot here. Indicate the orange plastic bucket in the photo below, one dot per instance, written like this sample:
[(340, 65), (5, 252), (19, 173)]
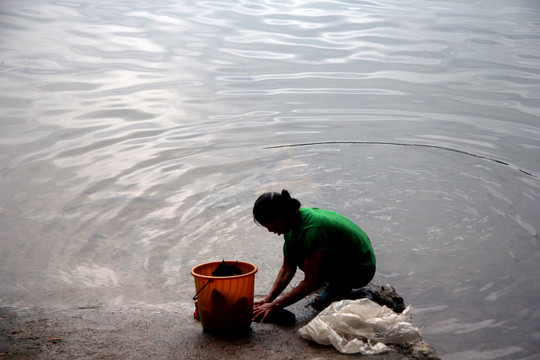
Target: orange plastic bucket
[(225, 302)]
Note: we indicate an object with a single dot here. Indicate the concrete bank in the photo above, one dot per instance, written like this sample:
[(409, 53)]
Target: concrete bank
[(96, 332)]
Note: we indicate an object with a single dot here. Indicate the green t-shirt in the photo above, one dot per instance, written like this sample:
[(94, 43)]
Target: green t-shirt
[(342, 241)]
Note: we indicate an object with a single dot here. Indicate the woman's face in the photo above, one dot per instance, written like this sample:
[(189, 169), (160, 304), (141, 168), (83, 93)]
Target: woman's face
[(277, 225)]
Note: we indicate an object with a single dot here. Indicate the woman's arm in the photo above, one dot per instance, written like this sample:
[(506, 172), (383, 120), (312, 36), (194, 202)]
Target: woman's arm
[(312, 273), (284, 277)]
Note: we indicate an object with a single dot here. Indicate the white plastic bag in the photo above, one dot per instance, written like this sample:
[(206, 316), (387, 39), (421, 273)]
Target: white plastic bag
[(360, 326)]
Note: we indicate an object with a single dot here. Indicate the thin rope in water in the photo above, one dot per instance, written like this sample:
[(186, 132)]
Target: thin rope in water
[(401, 144)]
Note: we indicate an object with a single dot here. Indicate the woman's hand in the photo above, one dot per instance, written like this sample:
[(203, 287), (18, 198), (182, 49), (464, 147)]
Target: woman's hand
[(262, 309), (312, 270), (263, 301)]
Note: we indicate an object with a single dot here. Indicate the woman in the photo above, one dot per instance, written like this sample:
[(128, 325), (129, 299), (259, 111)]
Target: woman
[(328, 247)]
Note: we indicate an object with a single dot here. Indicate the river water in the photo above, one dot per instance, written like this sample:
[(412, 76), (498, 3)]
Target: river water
[(136, 135)]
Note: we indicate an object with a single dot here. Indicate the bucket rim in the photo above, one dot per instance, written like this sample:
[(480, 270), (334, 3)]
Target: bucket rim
[(252, 272)]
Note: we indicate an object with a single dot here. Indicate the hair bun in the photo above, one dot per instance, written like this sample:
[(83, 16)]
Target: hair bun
[(286, 196)]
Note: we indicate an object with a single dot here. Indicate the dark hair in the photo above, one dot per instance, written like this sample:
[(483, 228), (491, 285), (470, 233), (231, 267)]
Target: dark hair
[(271, 204)]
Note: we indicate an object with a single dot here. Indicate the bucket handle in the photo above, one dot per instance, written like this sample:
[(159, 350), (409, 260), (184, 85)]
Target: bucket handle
[(201, 289)]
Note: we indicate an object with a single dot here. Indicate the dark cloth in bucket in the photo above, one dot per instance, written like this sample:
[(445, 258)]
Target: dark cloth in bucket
[(225, 269)]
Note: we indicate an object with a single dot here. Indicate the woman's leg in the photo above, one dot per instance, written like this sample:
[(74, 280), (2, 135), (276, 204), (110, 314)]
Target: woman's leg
[(352, 277), (342, 282)]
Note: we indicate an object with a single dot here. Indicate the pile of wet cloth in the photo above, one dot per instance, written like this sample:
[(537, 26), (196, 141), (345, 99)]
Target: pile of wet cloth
[(224, 269), (369, 321)]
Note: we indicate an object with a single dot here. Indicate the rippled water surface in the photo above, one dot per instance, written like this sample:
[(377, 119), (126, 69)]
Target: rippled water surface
[(135, 136)]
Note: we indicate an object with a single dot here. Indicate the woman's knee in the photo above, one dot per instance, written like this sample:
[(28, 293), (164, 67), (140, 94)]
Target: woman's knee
[(362, 276)]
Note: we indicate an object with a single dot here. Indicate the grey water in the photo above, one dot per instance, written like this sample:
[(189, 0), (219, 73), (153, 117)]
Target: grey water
[(136, 135)]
